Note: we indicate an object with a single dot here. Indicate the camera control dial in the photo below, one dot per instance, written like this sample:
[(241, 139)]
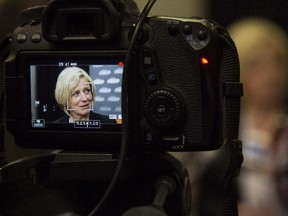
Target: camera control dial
[(163, 108)]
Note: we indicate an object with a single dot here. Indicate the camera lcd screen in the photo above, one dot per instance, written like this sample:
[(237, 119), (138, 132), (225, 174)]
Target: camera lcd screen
[(70, 93)]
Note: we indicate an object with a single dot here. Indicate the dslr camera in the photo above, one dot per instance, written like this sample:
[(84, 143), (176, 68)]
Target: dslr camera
[(93, 78), (183, 87)]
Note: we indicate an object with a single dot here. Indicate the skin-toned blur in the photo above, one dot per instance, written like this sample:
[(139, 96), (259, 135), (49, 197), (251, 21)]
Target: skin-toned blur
[(263, 53)]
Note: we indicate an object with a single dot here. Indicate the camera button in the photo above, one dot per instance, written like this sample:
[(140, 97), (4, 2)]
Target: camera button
[(147, 59), (36, 37), (150, 76), (173, 29), (149, 137), (163, 109), (187, 29), (202, 35), (21, 38)]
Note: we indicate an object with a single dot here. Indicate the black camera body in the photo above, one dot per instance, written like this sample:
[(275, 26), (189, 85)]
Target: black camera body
[(183, 91), (182, 98)]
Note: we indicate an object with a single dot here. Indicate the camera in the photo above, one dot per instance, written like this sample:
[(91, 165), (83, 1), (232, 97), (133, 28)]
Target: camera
[(183, 86), (116, 91)]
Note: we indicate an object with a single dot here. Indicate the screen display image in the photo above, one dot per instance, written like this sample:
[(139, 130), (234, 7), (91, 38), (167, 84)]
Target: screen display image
[(76, 93)]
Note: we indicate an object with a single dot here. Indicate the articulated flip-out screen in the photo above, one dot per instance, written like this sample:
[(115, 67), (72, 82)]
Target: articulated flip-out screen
[(76, 93)]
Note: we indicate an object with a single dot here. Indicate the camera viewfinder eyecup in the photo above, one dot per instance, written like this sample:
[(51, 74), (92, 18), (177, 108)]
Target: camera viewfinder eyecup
[(97, 21)]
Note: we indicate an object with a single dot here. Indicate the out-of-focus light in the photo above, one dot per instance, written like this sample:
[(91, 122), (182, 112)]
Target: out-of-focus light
[(204, 61)]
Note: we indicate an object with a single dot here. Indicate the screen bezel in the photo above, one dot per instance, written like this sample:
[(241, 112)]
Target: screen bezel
[(107, 139)]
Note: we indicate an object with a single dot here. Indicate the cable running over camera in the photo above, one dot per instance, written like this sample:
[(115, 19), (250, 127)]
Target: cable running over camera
[(124, 140)]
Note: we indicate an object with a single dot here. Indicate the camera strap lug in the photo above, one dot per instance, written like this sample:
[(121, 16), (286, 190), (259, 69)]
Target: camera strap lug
[(233, 89)]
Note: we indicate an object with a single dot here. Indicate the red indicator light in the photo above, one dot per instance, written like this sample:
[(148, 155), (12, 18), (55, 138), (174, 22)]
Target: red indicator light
[(204, 61), (121, 64)]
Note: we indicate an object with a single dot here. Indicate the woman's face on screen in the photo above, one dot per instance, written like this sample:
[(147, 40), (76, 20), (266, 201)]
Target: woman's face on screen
[(81, 99)]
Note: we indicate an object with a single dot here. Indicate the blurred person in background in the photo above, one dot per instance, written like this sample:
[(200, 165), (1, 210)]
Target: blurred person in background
[(263, 53)]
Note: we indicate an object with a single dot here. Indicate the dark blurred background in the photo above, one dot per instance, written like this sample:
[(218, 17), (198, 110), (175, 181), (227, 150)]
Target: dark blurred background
[(226, 11)]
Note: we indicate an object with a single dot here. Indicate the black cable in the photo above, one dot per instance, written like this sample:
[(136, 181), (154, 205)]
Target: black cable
[(124, 139)]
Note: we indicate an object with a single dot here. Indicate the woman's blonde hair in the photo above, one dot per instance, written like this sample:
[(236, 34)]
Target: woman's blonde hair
[(250, 34), (254, 38), (67, 80)]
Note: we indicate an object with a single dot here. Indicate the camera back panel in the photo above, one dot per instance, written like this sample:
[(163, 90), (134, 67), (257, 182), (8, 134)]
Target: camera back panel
[(182, 102), (178, 84)]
